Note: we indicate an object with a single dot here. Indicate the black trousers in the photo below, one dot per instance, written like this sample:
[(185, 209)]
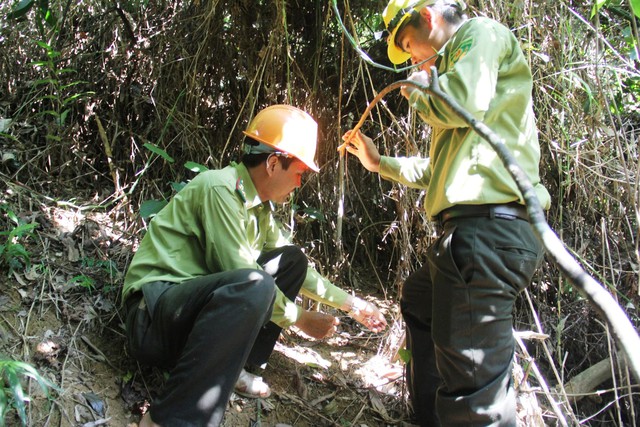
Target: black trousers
[(458, 314), (205, 330)]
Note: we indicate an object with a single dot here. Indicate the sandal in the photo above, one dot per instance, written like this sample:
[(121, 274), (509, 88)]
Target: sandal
[(252, 386)]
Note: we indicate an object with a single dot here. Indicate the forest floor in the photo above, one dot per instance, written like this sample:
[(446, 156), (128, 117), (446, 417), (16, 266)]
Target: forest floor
[(61, 315)]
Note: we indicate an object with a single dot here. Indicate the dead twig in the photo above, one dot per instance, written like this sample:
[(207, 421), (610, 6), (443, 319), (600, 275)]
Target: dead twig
[(99, 355), (543, 384)]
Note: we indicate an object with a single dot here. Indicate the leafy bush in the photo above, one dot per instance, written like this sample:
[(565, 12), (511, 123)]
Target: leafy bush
[(12, 253), (12, 395)]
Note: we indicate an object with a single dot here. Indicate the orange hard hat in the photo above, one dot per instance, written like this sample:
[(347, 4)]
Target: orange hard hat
[(288, 130)]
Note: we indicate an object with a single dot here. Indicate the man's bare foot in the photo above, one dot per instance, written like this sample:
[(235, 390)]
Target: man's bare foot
[(146, 421)]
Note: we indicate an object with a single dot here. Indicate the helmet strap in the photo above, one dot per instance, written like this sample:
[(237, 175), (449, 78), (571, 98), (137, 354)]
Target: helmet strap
[(255, 147)]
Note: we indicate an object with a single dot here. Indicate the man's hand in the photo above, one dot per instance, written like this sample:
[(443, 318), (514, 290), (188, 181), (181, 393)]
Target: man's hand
[(364, 149), (420, 77), (317, 325), (366, 313)]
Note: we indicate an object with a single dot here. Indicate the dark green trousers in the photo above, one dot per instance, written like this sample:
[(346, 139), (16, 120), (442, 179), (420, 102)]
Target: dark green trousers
[(206, 330), (458, 314)]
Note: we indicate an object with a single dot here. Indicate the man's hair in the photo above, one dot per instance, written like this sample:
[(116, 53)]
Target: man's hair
[(449, 9), (253, 160)]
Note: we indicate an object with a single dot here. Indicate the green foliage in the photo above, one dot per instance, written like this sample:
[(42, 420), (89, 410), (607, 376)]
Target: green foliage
[(628, 97), (314, 214), (178, 186), (159, 151), (21, 9), (53, 94), (627, 87), (13, 254), (83, 281), (635, 6), (109, 266), (615, 6), (405, 355), (12, 394), (149, 208), (132, 6), (598, 5), (56, 97), (43, 12), (308, 213), (195, 167)]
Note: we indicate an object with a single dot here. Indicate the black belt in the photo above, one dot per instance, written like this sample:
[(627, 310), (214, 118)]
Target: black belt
[(506, 211)]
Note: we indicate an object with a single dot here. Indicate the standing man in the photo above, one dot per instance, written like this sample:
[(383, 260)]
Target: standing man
[(458, 306), (215, 277)]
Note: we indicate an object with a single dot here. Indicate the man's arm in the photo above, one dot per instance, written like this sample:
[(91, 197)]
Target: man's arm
[(365, 313), (469, 75), (321, 289), (413, 172)]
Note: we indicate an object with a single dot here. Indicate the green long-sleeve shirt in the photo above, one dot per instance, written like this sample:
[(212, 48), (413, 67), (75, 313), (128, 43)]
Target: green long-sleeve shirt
[(218, 223), (483, 68)]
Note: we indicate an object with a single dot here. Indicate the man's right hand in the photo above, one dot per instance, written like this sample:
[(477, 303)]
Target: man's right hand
[(317, 325), (364, 149)]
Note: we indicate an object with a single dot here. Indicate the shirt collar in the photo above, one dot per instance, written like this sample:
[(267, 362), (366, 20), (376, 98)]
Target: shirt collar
[(249, 189), (455, 33)]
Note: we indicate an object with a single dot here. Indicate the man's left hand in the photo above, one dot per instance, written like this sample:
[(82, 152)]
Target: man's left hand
[(367, 314)]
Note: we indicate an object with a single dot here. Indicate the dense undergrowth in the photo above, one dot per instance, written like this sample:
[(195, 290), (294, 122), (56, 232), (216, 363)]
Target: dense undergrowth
[(106, 108)]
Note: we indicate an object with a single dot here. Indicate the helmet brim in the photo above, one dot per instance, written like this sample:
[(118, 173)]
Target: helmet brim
[(396, 55)]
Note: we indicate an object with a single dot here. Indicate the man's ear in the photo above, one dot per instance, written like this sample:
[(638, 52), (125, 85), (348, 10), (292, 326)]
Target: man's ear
[(271, 164), (426, 14)]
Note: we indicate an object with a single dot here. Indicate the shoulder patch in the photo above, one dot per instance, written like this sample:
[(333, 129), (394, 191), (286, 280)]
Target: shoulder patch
[(240, 190), (461, 51)]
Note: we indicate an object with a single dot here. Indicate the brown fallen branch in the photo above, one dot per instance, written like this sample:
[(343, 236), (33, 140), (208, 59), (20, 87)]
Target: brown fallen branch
[(602, 301), (588, 380)]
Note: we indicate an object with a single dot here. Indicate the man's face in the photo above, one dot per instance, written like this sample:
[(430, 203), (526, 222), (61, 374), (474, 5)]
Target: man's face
[(419, 43), (284, 181)]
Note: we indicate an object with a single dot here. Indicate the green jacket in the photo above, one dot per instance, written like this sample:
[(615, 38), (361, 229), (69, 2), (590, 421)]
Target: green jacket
[(483, 68), (218, 223)]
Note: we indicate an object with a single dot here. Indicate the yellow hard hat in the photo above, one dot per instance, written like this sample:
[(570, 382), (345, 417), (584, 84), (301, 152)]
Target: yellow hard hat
[(396, 12), (288, 130)]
